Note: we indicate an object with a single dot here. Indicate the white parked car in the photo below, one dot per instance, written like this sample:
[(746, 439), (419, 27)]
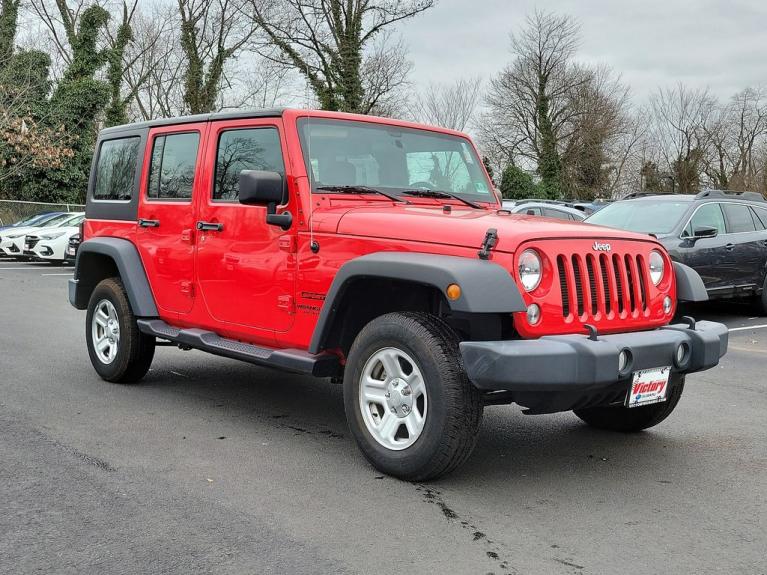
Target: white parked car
[(50, 244), (12, 239)]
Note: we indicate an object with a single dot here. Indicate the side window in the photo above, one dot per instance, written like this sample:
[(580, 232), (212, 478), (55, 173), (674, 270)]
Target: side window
[(707, 216), (738, 218), (248, 149), (116, 169), (760, 218), (171, 173), (551, 213)]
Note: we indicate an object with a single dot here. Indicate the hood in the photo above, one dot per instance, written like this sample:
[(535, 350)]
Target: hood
[(466, 227), (54, 230), (17, 231)]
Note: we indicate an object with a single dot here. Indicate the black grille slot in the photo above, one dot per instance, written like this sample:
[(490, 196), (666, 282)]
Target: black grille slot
[(618, 283), (563, 286), (605, 282), (578, 284), (592, 284), (642, 280), (630, 280)]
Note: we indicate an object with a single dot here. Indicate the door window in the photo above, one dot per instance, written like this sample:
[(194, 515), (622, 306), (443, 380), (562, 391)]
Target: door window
[(707, 216), (171, 173), (247, 149), (116, 169), (738, 218)]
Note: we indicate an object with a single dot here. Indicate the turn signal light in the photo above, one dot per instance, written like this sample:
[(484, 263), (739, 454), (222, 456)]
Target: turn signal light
[(453, 292)]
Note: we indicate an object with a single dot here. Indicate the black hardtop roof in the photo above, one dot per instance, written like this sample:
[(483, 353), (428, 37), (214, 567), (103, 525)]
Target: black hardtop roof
[(236, 115)]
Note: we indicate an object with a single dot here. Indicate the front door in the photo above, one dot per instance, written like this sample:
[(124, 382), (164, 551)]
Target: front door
[(707, 256), (245, 267), (166, 221)]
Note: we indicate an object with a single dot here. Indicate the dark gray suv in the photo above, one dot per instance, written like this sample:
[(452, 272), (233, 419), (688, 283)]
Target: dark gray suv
[(721, 235)]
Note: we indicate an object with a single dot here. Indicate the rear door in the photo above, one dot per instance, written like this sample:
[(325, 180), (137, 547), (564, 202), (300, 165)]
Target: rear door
[(166, 215), (245, 267), (760, 220), (744, 246)]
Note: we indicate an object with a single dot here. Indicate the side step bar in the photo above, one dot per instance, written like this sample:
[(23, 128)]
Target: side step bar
[(295, 360)]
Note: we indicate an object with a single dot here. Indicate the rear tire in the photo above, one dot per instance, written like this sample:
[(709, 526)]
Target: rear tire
[(760, 301), (119, 352), (628, 420), (437, 430)]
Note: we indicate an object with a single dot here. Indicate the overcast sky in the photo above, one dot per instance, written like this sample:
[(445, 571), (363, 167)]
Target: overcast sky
[(719, 44)]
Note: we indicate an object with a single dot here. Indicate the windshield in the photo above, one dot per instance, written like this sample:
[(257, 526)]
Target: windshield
[(53, 221), (70, 221), (29, 221), (644, 216), (391, 158)]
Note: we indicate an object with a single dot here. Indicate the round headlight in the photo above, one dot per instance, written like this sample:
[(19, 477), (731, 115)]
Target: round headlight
[(530, 269), (657, 266)]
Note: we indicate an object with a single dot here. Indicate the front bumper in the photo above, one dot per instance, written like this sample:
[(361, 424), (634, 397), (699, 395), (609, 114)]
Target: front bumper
[(575, 363)]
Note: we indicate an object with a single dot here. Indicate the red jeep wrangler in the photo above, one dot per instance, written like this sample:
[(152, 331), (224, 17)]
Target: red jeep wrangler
[(375, 250)]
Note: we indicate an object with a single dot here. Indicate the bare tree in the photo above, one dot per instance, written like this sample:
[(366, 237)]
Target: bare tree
[(329, 42), (449, 105), (735, 133), (212, 32), (682, 119)]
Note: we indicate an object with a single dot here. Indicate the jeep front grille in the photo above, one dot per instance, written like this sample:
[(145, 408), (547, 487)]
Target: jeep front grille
[(600, 285)]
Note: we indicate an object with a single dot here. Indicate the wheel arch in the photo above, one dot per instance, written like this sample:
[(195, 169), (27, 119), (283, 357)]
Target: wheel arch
[(100, 258), (383, 282)]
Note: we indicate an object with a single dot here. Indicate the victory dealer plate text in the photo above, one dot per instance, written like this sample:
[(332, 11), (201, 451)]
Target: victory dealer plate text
[(648, 386)]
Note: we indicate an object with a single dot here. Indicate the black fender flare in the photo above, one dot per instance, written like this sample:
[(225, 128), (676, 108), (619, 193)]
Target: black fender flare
[(128, 262), (689, 285), (486, 287)]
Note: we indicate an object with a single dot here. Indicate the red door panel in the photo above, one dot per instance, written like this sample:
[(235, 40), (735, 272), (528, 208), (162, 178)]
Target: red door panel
[(245, 269), (165, 235)]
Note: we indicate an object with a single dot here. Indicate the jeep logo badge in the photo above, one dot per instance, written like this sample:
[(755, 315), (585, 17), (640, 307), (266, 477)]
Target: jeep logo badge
[(598, 247)]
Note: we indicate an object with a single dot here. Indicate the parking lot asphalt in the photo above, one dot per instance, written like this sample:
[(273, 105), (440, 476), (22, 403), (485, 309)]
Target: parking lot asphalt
[(214, 466)]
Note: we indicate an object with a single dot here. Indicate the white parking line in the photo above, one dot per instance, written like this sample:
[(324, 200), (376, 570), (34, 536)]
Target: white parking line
[(747, 327), (69, 274)]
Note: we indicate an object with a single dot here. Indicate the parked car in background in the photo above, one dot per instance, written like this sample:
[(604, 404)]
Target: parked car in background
[(721, 235), (549, 209), (29, 221), (12, 240), (70, 255), (50, 244)]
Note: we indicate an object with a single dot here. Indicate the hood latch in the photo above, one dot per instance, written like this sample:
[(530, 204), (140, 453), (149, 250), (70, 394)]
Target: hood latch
[(491, 238)]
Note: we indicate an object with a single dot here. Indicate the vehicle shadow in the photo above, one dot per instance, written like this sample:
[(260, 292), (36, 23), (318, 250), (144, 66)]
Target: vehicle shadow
[(512, 448)]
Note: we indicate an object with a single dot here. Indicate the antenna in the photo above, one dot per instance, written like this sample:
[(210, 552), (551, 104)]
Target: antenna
[(313, 244)]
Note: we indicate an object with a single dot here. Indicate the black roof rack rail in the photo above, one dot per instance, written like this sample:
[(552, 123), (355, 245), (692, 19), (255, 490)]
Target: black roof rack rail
[(749, 196), (633, 195)]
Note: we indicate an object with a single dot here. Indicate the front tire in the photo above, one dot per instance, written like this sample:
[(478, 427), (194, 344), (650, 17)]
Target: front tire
[(119, 352), (409, 405), (627, 420)]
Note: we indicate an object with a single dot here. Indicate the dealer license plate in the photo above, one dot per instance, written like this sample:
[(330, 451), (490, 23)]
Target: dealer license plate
[(648, 386)]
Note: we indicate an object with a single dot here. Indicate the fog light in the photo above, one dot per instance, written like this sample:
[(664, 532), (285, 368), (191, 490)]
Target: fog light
[(624, 357), (667, 305), (681, 354), (533, 314)]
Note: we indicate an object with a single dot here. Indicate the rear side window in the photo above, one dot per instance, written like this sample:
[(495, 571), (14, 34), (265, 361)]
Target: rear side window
[(551, 213), (116, 169), (171, 173), (760, 218), (738, 218), (248, 149), (707, 216)]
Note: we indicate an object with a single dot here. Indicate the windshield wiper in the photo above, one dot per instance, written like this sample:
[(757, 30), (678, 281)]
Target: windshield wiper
[(442, 194), (360, 190)]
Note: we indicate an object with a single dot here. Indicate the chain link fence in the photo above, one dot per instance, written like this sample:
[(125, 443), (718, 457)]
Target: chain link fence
[(11, 211)]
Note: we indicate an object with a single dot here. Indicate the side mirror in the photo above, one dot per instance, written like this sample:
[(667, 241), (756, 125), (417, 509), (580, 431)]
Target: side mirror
[(705, 232), (260, 188)]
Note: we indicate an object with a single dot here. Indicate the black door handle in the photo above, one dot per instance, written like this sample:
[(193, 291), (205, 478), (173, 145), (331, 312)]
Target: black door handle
[(209, 227), (729, 247), (148, 223)]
